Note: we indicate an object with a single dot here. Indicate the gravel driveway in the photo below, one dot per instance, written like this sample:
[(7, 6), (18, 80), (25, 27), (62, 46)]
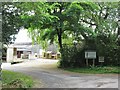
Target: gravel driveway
[(46, 74)]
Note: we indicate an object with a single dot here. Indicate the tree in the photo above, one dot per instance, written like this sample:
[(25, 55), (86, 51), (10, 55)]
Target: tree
[(11, 21), (53, 20)]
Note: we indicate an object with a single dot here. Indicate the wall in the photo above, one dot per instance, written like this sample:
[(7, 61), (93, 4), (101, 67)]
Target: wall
[(9, 54)]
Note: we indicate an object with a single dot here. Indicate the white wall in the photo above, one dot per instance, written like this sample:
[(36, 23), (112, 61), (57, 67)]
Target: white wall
[(40, 52), (9, 54)]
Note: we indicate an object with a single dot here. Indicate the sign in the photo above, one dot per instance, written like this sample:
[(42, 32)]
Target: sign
[(90, 54), (101, 59)]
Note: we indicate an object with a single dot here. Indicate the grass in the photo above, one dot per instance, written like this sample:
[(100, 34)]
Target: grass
[(96, 70), (16, 80)]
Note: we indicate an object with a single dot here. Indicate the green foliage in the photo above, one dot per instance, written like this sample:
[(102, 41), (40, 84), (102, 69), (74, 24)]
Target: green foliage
[(53, 19), (11, 21), (106, 45), (72, 56), (96, 70), (4, 50), (16, 80)]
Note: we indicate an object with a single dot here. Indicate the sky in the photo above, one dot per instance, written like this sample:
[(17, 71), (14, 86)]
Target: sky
[(22, 36)]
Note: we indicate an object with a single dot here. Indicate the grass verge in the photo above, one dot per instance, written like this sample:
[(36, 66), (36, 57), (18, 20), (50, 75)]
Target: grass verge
[(96, 70), (16, 80)]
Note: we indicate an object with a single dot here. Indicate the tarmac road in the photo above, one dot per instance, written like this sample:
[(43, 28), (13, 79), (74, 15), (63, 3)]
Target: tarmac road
[(46, 74)]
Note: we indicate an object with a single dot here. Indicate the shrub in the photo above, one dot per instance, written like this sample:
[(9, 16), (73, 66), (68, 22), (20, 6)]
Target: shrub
[(109, 49), (71, 56)]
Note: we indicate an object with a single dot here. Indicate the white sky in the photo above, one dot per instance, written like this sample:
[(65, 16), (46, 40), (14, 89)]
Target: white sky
[(22, 36)]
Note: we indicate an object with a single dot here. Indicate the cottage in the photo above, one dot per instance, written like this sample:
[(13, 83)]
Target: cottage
[(22, 48)]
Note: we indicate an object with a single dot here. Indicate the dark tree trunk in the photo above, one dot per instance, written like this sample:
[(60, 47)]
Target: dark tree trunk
[(59, 27), (60, 40), (119, 35), (118, 30), (59, 33)]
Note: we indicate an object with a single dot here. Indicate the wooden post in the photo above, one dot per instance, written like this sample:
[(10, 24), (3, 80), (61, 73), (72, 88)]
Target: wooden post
[(87, 62), (93, 62)]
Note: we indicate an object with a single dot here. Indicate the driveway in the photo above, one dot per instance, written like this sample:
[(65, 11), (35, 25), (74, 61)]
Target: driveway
[(46, 74)]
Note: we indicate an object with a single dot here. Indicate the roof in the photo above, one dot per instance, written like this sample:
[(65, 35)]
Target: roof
[(23, 49)]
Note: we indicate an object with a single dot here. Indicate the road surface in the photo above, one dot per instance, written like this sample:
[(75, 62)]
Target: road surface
[(48, 76)]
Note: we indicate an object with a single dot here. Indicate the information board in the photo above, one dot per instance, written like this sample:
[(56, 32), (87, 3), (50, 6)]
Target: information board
[(101, 59), (90, 54)]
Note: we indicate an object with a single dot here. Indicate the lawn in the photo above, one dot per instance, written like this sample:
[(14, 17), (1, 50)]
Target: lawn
[(16, 80), (96, 70)]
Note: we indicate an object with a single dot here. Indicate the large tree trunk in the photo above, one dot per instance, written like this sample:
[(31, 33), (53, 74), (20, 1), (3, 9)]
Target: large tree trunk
[(59, 34), (60, 40)]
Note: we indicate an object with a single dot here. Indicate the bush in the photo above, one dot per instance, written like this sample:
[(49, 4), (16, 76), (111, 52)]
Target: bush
[(71, 56), (105, 45), (109, 49)]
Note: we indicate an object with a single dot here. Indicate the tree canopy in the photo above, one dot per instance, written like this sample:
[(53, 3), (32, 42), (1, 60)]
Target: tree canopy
[(11, 21), (55, 20), (60, 21)]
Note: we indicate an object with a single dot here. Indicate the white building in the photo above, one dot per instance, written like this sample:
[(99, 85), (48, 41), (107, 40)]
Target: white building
[(23, 48)]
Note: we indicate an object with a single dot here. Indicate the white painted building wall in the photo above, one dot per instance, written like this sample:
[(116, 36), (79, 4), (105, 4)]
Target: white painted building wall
[(10, 54)]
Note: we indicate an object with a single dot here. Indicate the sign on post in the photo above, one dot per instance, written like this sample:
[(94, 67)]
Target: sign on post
[(90, 54), (101, 59)]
